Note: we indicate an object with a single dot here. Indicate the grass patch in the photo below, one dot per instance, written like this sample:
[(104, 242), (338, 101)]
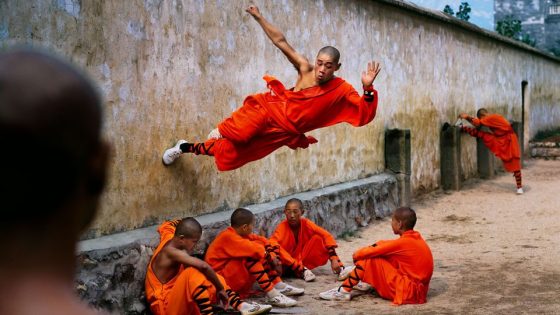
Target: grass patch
[(546, 134)]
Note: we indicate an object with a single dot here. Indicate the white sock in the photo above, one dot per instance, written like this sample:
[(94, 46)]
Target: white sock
[(272, 293), (280, 285), (244, 306)]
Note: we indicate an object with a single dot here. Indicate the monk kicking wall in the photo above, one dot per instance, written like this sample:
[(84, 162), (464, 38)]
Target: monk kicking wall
[(174, 69)]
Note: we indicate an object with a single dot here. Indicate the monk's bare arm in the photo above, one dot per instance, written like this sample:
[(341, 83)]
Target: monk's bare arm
[(279, 40), (182, 257)]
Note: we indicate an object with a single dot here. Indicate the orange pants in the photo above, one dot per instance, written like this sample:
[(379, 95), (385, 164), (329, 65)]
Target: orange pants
[(241, 274), (388, 281), (194, 294)]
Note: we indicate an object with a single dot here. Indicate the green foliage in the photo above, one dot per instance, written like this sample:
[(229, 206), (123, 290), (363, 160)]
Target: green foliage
[(545, 134), (527, 39), (448, 10), (464, 10), (556, 51), (463, 13), (509, 27)]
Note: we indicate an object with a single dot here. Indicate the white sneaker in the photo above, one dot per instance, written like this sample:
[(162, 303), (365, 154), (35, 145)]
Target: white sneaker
[(362, 286), (520, 191), (215, 134), (289, 290), (172, 154), (308, 276), (337, 294), (281, 300), (344, 273), (254, 308)]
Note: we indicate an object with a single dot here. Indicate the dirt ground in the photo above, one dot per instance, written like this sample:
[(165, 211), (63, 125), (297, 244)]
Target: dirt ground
[(494, 252)]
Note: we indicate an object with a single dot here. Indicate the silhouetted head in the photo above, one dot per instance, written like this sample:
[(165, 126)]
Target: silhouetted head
[(481, 113), (50, 123), (243, 221), (404, 219), (326, 64)]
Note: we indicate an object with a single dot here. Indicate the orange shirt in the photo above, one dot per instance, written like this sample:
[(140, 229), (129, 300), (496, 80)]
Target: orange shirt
[(412, 259), (503, 142), (285, 238)]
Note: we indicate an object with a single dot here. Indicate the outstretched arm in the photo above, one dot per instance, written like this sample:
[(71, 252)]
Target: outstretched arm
[(279, 40), (472, 120)]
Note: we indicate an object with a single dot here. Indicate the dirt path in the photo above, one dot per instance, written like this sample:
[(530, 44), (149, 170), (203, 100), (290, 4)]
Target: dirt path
[(494, 252)]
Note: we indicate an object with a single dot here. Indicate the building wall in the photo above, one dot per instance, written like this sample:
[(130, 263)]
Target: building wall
[(173, 69), (537, 18)]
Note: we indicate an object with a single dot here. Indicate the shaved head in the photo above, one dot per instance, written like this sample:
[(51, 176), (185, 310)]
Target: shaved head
[(331, 51), (50, 123), (407, 216), (189, 228), (241, 216), (481, 112), (295, 201)]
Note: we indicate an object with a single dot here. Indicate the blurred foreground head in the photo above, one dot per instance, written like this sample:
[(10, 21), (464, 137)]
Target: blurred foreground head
[(52, 171), (52, 155)]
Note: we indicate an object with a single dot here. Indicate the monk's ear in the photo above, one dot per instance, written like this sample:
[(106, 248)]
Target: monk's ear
[(302, 211), (338, 67)]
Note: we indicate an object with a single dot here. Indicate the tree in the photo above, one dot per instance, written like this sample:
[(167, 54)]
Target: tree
[(527, 39), (462, 14), (464, 10), (556, 51), (448, 10), (509, 27), (512, 28)]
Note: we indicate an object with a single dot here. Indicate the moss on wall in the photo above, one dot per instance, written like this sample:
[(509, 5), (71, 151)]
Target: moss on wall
[(173, 69)]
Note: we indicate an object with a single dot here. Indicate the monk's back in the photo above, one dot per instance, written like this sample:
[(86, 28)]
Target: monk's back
[(415, 257)]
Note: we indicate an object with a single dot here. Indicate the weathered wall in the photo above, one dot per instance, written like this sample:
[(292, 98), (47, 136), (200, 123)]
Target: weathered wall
[(174, 69)]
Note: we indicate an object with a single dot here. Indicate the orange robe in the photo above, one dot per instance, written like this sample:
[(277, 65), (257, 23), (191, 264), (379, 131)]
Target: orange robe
[(502, 142), (400, 270), (229, 253), (178, 295), (281, 117), (311, 248)]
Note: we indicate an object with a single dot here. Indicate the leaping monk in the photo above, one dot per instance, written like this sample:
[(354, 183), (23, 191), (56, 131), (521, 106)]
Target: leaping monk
[(281, 117)]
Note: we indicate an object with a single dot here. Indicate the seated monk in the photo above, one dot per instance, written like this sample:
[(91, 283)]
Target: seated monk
[(281, 117), (502, 141), (178, 283), (244, 258), (302, 245), (399, 270)]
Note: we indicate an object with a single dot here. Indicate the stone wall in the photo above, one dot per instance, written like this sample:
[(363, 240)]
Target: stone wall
[(112, 268), (173, 69)]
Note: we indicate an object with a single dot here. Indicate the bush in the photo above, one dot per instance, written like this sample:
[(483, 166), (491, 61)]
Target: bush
[(548, 133)]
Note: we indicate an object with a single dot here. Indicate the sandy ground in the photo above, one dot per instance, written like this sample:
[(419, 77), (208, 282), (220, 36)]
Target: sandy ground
[(494, 252)]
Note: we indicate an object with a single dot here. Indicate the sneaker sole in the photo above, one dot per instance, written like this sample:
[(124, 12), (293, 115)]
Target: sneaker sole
[(293, 294)]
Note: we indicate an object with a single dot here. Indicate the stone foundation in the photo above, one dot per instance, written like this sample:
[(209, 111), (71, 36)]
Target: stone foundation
[(546, 150), (111, 269)]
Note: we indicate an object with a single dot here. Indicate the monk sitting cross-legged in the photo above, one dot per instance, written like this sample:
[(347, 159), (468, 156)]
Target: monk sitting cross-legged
[(177, 283), (399, 270), (244, 258), (281, 117), (302, 245), (502, 141)]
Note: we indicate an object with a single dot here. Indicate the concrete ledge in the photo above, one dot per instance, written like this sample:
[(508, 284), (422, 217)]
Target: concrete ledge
[(111, 268)]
